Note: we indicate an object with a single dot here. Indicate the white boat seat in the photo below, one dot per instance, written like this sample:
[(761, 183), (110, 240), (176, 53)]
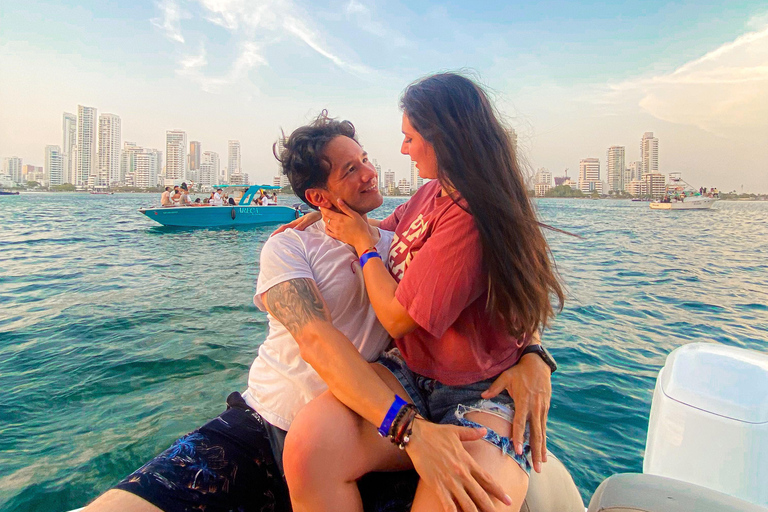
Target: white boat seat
[(552, 490), (638, 492)]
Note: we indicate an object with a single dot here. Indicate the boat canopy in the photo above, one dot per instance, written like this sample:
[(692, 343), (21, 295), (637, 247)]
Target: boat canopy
[(250, 193)]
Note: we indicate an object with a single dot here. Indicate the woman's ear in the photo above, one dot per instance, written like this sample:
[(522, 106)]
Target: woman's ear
[(318, 197)]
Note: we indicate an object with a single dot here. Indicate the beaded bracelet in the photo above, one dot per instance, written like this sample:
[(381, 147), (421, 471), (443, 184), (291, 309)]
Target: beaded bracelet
[(402, 428)]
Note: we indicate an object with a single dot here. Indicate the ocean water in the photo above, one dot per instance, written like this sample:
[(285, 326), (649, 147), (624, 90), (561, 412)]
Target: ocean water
[(117, 335)]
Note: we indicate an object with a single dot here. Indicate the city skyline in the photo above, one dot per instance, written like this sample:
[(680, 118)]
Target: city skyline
[(691, 74)]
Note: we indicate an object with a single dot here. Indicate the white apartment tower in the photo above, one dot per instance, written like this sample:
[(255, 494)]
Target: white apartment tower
[(615, 168), (416, 180), (233, 160), (128, 163), (146, 168), (209, 169), (69, 142), (649, 153), (175, 155), (86, 165), (389, 181), (589, 175), (12, 167), (54, 165), (109, 150)]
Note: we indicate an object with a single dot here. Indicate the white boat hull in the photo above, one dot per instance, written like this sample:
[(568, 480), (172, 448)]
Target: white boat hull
[(689, 203)]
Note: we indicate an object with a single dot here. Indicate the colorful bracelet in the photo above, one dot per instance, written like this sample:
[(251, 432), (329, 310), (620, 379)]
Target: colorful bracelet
[(402, 434), (392, 413), (368, 255)]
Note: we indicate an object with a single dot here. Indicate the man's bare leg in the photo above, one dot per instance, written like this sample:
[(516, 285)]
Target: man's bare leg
[(117, 500)]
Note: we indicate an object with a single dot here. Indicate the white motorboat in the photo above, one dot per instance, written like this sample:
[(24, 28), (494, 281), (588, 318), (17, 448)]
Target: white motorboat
[(694, 202), (679, 195)]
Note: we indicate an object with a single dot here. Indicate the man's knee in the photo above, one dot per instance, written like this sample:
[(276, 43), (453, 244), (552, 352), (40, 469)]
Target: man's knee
[(319, 435), (116, 500)]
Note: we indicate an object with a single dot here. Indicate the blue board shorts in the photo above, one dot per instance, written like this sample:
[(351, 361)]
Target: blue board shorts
[(234, 463), (445, 404)]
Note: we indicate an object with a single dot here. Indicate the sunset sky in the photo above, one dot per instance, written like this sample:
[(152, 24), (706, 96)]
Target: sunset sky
[(572, 78)]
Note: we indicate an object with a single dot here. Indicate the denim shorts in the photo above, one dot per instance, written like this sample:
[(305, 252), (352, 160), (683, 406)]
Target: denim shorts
[(445, 404)]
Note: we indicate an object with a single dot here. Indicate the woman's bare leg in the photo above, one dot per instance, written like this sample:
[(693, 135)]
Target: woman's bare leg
[(503, 468), (329, 447)]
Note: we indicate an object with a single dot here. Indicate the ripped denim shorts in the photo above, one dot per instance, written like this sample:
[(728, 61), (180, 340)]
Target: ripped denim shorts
[(445, 404)]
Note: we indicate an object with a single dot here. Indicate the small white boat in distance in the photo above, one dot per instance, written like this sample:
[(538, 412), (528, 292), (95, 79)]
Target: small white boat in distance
[(687, 203), (679, 195)]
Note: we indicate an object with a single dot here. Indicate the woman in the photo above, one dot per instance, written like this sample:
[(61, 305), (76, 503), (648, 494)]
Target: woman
[(467, 290)]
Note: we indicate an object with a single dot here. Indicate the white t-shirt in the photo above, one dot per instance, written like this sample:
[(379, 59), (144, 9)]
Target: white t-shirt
[(280, 382), (216, 201)]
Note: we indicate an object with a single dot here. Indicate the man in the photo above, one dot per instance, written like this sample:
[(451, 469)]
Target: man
[(217, 200), (234, 461), (322, 330), (165, 197)]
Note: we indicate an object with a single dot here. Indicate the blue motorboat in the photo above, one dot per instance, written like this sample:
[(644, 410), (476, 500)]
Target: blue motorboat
[(243, 213)]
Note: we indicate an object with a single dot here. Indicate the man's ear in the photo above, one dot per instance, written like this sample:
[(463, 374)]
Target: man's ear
[(318, 197)]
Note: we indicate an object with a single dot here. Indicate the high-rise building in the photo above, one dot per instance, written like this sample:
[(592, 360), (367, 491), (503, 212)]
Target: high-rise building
[(589, 175), (416, 180), (12, 167), (635, 170), (404, 186), (233, 159), (654, 184), (615, 168), (69, 141), (176, 155), (86, 165), (109, 150), (379, 176), (195, 160), (542, 182), (209, 169), (389, 181), (54, 165), (513, 140), (146, 168), (649, 153), (128, 163)]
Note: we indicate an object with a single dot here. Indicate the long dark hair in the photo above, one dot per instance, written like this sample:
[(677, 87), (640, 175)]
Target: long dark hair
[(475, 157)]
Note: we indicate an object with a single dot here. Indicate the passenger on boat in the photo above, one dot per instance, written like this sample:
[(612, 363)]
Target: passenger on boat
[(165, 197), (184, 200), (175, 196), (216, 200), (464, 298)]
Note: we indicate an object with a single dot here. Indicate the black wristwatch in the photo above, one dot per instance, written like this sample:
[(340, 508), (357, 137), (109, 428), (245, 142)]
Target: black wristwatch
[(542, 353)]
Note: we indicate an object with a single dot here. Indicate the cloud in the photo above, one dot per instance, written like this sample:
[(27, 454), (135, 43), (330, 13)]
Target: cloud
[(193, 66), (361, 14), (254, 25), (171, 20), (724, 92)]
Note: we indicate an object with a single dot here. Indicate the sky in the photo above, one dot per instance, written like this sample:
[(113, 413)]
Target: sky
[(571, 77)]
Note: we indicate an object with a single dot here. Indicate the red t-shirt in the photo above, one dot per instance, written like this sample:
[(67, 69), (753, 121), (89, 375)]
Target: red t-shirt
[(436, 256)]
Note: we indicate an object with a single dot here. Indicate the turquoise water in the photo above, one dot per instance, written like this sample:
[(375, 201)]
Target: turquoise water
[(117, 336)]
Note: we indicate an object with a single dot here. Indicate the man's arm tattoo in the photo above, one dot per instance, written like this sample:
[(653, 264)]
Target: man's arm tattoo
[(296, 303)]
